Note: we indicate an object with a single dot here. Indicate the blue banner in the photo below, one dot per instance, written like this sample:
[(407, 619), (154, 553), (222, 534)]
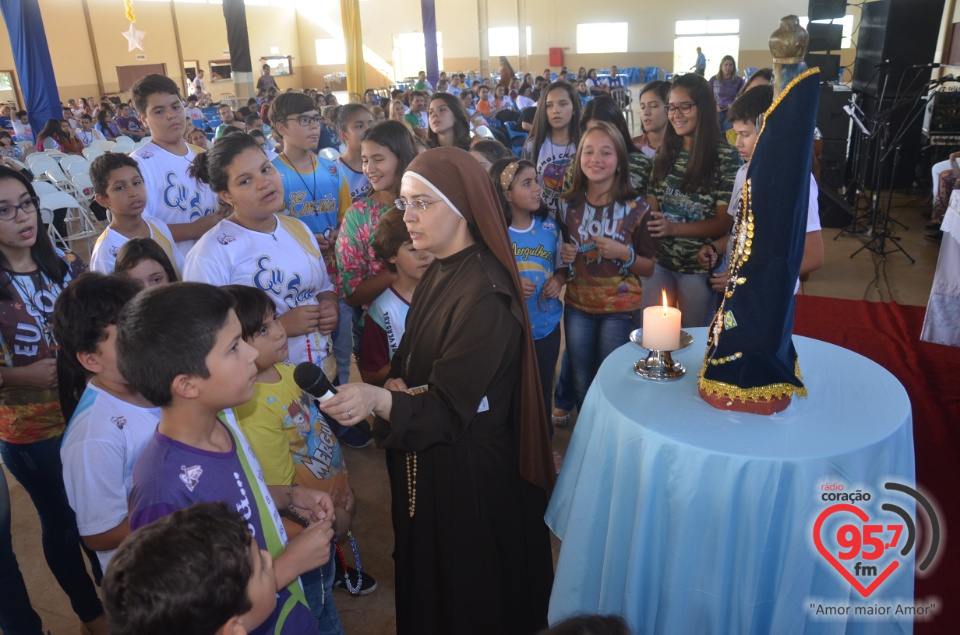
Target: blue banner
[(429, 10), (31, 56)]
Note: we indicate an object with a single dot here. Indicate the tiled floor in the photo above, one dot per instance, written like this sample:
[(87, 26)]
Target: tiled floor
[(865, 276)]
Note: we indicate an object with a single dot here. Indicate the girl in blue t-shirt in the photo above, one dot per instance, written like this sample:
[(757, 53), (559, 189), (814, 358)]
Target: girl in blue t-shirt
[(535, 238)]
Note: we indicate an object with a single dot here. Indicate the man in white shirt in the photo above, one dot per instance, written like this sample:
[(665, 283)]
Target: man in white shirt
[(198, 87), (454, 87)]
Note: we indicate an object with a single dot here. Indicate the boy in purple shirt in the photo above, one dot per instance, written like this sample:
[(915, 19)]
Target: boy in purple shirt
[(195, 366), (128, 124)]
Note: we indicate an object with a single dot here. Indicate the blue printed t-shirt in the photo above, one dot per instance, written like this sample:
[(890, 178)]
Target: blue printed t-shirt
[(319, 199), (535, 249), (170, 475), (357, 182)]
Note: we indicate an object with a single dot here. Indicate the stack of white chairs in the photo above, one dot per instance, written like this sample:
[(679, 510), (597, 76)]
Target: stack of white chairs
[(73, 164), (124, 144), (78, 171), (98, 147), (45, 167), (92, 153)]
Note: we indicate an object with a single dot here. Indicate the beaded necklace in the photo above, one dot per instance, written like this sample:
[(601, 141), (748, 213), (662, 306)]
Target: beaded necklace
[(742, 238), (354, 590)]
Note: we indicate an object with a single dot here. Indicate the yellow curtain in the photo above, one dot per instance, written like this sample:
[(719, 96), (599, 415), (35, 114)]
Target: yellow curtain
[(353, 42)]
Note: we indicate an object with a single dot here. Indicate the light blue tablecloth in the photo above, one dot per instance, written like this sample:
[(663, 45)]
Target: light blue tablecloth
[(685, 519)]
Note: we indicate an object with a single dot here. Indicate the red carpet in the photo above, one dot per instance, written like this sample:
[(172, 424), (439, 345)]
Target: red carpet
[(889, 334)]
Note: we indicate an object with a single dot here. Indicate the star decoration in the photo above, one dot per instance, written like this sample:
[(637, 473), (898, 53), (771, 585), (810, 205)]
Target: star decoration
[(134, 37)]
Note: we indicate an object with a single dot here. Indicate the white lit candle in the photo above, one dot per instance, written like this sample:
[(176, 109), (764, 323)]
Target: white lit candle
[(661, 327)]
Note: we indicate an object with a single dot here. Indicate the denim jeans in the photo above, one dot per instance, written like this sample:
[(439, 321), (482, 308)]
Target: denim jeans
[(17, 617), (548, 349), (343, 342), (37, 467), (564, 397), (696, 301), (590, 338), (319, 591)]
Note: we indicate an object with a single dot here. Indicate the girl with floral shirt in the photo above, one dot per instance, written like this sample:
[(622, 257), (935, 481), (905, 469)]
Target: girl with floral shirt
[(386, 149)]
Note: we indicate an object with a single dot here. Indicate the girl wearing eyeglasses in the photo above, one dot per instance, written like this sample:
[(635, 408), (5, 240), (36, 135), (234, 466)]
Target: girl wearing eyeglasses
[(691, 183), (32, 274)]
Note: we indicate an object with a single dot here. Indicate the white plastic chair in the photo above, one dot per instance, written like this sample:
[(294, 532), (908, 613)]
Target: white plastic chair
[(124, 144), (99, 144), (92, 153), (79, 224), (40, 162), (84, 187), (44, 167), (46, 217), (484, 132), (44, 187), (329, 154), (73, 164), (142, 142), (56, 155)]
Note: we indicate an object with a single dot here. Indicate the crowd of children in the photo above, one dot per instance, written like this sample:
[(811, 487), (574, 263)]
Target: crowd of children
[(193, 462)]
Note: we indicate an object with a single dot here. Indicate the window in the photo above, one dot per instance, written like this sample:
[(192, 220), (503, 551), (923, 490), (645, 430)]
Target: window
[(846, 22), (409, 57), (330, 52), (708, 27), (602, 37), (505, 40), (716, 38)]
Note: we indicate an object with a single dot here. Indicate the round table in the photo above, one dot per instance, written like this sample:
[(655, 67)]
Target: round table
[(687, 519)]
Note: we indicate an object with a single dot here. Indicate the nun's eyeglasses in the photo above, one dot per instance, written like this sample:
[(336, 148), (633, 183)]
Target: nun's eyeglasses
[(419, 204)]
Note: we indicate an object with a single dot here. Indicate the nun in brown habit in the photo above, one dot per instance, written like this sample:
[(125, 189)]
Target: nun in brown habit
[(462, 419)]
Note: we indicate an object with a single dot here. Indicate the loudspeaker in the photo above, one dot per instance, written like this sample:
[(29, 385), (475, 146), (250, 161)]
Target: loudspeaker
[(826, 9), (832, 121), (835, 213), (895, 35), (829, 66), (824, 37)]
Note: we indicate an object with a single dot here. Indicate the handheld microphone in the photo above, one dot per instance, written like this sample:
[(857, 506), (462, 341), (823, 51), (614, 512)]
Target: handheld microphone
[(311, 379)]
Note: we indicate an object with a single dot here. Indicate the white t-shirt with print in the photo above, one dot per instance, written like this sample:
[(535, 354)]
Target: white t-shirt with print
[(285, 263), (551, 162), (99, 448), (173, 196), (104, 256)]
